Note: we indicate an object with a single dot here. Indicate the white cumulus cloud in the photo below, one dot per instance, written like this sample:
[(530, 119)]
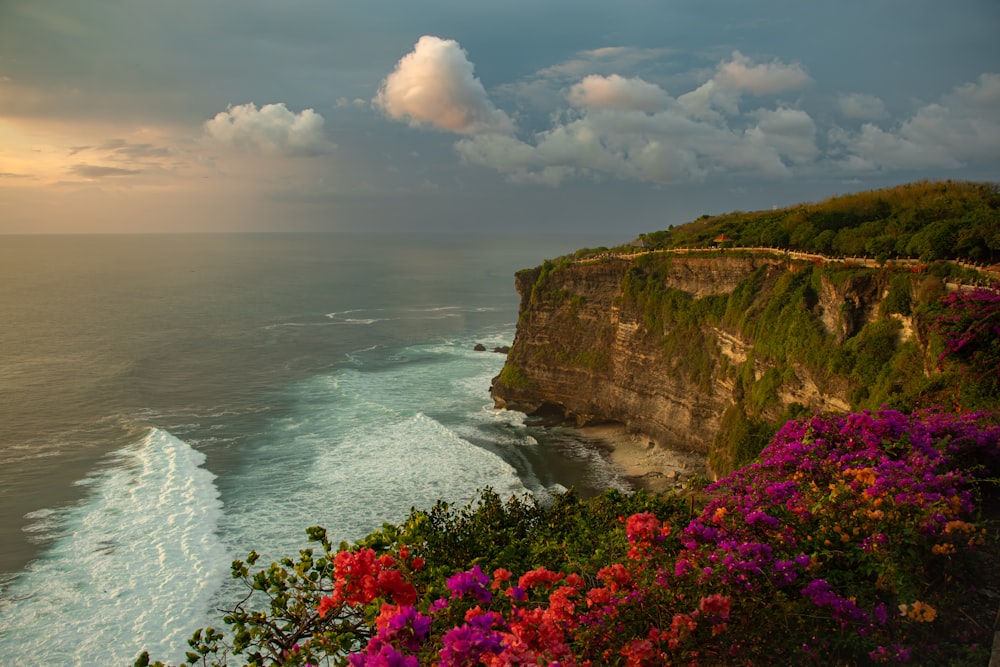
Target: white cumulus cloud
[(732, 78), (272, 129), (857, 106), (790, 132), (435, 84), (960, 129), (617, 92), (760, 79), (663, 147), (620, 127)]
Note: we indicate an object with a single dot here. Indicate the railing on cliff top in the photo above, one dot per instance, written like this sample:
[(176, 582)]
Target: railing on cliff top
[(992, 271)]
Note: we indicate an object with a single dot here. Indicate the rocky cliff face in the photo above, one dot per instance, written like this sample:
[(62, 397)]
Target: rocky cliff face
[(592, 345)]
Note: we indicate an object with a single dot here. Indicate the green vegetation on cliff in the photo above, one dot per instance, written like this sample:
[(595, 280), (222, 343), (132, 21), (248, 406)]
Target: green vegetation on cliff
[(781, 316), (925, 220), (675, 316), (813, 326)]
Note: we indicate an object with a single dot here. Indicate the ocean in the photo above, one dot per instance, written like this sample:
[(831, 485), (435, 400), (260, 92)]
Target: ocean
[(170, 402)]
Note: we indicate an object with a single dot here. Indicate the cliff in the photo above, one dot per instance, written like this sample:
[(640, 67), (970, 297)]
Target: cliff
[(707, 352)]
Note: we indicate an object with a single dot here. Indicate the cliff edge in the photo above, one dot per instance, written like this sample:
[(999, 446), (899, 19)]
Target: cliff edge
[(707, 352)]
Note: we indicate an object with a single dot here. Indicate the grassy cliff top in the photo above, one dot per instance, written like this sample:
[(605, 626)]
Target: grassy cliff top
[(924, 220)]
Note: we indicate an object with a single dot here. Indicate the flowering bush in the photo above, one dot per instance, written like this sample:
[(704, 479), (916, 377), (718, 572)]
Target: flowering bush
[(851, 540), (841, 521), (829, 548), (970, 327)]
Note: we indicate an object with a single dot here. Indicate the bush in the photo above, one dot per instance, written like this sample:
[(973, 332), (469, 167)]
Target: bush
[(512, 376), (970, 326), (851, 540)]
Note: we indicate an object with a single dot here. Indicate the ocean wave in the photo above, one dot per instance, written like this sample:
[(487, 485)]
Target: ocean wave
[(133, 566)]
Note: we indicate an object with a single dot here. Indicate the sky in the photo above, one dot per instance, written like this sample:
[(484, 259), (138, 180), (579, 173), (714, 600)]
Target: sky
[(553, 116)]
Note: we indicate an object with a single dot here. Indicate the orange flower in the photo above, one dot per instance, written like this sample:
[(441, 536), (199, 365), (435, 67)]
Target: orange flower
[(918, 611)]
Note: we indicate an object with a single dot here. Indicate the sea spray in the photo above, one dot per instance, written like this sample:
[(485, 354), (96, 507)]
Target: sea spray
[(134, 566), (365, 444), (251, 335)]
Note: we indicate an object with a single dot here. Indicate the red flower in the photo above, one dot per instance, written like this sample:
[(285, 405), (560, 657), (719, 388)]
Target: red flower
[(325, 605), (500, 577), (717, 604), (540, 576)]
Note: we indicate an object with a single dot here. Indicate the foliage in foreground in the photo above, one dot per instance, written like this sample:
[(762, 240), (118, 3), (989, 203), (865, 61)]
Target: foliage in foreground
[(852, 540), (970, 325)]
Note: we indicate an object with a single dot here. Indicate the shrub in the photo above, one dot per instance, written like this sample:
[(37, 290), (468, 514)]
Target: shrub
[(900, 297), (850, 540), (970, 326), (512, 376)]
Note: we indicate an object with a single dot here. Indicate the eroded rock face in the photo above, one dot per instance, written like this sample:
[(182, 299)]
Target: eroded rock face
[(709, 276), (585, 352), (587, 356)]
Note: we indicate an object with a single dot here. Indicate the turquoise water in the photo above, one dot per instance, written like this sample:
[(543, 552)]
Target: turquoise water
[(168, 403)]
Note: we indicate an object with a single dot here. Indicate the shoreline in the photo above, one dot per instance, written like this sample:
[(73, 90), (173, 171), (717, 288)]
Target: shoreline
[(643, 464)]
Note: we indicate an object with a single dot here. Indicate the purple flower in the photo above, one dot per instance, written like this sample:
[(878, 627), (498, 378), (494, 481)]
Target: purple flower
[(818, 590), (517, 593), (387, 656), (474, 582), (466, 644), (758, 517), (408, 627)]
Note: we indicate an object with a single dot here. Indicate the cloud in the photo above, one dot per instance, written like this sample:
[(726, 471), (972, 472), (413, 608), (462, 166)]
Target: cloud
[(123, 150), (731, 79), (631, 129), (608, 59), (617, 92), (790, 132), (663, 147), (133, 151), (273, 130), (962, 128), (763, 79), (857, 106), (583, 62), (357, 103), (706, 100), (610, 126), (94, 171), (435, 85), (546, 88)]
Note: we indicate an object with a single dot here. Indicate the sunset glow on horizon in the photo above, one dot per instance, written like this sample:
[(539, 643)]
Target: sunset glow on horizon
[(329, 116)]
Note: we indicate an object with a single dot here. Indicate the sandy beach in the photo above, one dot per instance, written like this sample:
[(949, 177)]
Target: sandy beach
[(645, 465)]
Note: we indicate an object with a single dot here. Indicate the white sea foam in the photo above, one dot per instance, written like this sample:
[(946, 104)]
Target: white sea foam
[(375, 315), (366, 445), (337, 314), (132, 567), (379, 472), (271, 327), (139, 565), (18, 453)]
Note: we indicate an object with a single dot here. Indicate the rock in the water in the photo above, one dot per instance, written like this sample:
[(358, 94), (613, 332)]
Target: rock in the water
[(479, 347), (503, 349)]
